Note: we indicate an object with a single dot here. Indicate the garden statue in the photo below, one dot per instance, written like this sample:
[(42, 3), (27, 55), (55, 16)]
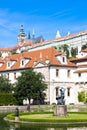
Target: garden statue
[(60, 99), (17, 112), (60, 109)]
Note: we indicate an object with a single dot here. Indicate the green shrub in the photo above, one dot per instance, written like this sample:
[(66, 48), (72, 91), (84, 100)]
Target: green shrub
[(7, 99), (81, 96)]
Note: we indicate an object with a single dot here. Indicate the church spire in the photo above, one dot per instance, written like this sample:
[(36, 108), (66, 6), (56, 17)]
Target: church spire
[(33, 34), (29, 36)]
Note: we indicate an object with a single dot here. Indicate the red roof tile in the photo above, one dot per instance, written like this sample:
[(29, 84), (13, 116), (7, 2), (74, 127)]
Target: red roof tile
[(80, 71), (5, 49), (38, 55)]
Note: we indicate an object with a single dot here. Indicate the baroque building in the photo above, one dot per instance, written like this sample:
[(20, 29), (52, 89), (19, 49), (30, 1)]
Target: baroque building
[(57, 70)]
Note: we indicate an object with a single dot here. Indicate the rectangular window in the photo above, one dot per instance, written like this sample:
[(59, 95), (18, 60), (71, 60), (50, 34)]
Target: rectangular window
[(57, 72), (68, 73), (14, 75), (79, 74), (57, 89), (63, 59), (68, 92), (22, 62), (8, 75), (8, 64)]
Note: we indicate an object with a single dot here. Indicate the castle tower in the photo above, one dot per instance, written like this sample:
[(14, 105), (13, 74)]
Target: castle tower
[(21, 36)]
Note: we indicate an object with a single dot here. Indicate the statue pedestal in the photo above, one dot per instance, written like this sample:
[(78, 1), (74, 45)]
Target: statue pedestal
[(60, 110), (16, 119)]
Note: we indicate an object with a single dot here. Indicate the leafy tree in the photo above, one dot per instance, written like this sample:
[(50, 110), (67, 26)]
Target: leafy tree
[(64, 48), (84, 46), (30, 85), (13, 52), (74, 52), (55, 47), (7, 99), (5, 85)]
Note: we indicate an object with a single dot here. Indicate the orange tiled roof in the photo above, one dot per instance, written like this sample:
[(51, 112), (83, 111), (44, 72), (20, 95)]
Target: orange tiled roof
[(80, 71), (5, 49), (39, 56)]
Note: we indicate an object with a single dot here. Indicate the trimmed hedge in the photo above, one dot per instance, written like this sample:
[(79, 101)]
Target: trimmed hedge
[(49, 117), (7, 99)]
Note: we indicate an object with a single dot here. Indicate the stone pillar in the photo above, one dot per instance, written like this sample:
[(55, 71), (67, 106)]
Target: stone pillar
[(60, 110)]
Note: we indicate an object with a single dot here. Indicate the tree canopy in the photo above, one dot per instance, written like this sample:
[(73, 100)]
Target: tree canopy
[(30, 85), (84, 46), (5, 85), (74, 52), (65, 48)]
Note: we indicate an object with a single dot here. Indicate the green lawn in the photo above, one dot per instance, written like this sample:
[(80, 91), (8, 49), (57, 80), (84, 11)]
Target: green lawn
[(49, 117)]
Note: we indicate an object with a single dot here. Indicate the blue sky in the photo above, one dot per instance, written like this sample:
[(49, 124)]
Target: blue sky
[(44, 16)]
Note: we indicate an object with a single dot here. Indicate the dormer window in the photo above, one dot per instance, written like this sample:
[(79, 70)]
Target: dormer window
[(10, 63), (24, 61), (62, 59)]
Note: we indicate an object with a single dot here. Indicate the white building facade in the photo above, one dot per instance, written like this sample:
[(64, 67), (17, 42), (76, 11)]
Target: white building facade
[(57, 70), (72, 40)]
